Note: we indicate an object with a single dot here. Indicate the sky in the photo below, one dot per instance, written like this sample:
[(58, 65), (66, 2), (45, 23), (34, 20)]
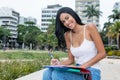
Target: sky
[(32, 8)]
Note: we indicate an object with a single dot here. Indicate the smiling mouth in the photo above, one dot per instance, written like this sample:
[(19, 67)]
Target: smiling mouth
[(69, 25)]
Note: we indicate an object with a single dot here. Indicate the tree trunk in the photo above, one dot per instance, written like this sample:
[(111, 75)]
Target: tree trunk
[(109, 41), (119, 42)]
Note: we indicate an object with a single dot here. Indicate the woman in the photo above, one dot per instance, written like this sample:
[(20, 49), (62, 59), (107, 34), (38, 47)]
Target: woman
[(84, 45)]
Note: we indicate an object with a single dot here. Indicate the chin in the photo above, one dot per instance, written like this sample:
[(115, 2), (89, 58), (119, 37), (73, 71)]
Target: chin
[(72, 28)]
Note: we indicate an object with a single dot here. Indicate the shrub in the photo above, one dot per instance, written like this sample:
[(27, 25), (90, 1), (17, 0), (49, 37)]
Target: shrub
[(114, 53), (118, 53), (109, 48), (110, 53), (20, 63), (14, 69)]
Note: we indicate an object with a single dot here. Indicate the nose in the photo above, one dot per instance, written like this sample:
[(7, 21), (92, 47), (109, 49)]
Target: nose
[(66, 22)]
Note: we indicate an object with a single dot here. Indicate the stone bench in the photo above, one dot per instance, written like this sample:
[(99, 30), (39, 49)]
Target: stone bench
[(33, 76)]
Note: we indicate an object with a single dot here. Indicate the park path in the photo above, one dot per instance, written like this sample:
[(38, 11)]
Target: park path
[(110, 69)]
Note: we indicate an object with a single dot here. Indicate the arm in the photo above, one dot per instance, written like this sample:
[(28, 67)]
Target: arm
[(95, 36), (70, 59)]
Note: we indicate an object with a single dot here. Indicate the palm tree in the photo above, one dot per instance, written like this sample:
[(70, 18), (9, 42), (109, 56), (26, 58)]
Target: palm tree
[(110, 34), (92, 11), (106, 26), (115, 16), (114, 32), (104, 32)]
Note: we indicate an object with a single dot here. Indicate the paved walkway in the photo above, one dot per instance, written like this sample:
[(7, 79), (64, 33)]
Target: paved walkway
[(110, 71)]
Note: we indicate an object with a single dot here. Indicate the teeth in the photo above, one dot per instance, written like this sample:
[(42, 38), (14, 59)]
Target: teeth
[(69, 25)]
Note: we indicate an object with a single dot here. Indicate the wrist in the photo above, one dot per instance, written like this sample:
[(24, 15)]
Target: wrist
[(59, 63)]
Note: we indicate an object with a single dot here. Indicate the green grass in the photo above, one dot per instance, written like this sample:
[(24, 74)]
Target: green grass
[(18, 63), (23, 54)]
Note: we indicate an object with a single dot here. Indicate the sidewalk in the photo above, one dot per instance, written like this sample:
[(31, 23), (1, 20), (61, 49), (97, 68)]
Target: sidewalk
[(110, 70)]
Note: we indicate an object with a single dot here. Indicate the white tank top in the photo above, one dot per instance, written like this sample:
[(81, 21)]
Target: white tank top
[(85, 51)]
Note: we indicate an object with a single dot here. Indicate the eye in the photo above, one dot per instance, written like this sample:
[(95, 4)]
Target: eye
[(67, 17), (63, 22)]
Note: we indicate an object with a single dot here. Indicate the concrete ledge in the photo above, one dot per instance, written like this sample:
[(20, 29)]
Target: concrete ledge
[(33, 76), (113, 57), (109, 67)]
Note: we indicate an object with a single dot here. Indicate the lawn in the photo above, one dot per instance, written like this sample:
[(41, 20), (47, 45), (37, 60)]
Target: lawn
[(17, 63)]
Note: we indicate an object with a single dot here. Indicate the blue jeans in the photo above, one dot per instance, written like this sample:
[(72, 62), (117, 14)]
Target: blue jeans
[(51, 74)]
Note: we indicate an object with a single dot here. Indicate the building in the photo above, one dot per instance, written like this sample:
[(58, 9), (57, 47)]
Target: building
[(23, 20), (47, 15), (80, 6), (117, 6), (9, 18)]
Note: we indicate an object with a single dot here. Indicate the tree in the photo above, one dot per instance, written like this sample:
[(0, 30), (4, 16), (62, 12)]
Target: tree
[(91, 11), (114, 32), (106, 26), (115, 16), (106, 39), (4, 34), (41, 40), (28, 34), (30, 23), (51, 38)]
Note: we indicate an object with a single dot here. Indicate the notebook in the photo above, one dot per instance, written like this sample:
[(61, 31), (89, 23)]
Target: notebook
[(64, 68)]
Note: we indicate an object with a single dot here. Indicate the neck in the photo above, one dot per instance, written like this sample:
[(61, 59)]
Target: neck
[(77, 29)]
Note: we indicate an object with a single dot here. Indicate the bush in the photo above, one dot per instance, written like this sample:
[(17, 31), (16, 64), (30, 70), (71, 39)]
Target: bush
[(114, 53), (20, 63), (109, 48), (14, 69), (110, 53), (118, 53)]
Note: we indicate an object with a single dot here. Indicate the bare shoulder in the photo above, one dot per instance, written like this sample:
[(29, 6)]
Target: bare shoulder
[(91, 27), (67, 34)]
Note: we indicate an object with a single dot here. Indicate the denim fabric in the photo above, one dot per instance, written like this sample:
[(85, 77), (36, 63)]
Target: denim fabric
[(51, 74)]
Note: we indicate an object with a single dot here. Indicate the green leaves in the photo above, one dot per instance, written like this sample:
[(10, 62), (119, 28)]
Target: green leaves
[(92, 10)]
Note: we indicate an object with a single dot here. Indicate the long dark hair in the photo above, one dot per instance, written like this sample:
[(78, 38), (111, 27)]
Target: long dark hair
[(60, 29)]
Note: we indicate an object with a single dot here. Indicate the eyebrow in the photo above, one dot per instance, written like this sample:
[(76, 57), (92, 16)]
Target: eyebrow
[(65, 18)]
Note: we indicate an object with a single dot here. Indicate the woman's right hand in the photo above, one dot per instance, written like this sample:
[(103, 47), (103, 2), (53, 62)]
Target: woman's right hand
[(55, 62)]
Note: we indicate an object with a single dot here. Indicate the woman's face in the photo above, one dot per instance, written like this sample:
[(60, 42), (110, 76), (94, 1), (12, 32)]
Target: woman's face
[(67, 20)]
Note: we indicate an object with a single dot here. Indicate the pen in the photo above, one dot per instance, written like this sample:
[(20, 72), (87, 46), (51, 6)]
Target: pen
[(51, 55)]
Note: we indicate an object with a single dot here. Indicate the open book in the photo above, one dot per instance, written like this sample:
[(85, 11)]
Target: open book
[(76, 69)]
